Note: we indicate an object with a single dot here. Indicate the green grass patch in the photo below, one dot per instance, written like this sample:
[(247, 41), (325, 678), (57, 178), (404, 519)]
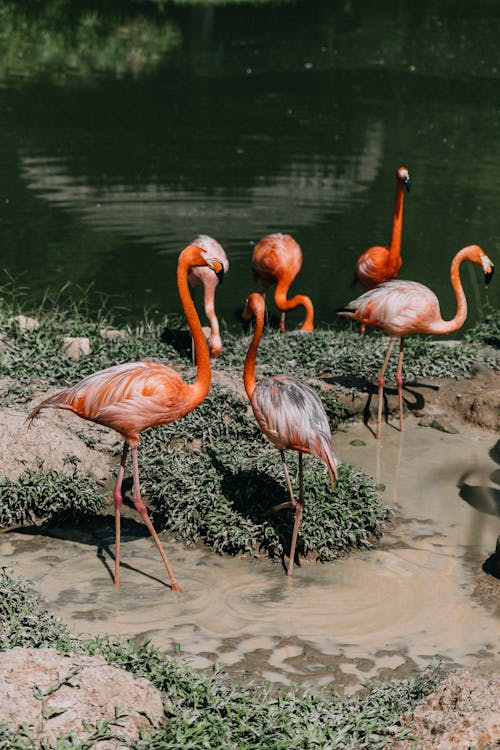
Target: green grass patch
[(41, 496), (205, 709)]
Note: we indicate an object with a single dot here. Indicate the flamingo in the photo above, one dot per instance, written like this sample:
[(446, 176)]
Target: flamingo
[(134, 396), (277, 259), (381, 263), (400, 307), (290, 415), (203, 275)]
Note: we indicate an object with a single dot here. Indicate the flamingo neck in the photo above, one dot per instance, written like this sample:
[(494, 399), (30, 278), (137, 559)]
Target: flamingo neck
[(201, 385), (397, 221), (284, 304), (448, 326), (249, 379)]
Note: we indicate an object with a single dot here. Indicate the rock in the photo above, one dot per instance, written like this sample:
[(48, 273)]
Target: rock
[(54, 693), (75, 347), (439, 424), (463, 712), (25, 323), (113, 334)]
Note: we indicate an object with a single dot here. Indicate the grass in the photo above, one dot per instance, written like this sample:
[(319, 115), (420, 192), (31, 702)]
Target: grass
[(206, 710), (41, 496)]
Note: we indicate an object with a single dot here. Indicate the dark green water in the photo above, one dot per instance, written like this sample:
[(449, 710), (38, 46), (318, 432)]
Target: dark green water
[(291, 117)]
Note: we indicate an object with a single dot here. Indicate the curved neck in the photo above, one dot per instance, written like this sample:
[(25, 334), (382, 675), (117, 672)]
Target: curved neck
[(448, 326), (282, 303), (397, 220), (201, 385), (249, 368)]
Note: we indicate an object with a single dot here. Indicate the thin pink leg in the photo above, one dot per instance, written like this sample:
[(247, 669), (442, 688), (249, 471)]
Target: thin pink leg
[(141, 508), (282, 323), (288, 503), (381, 381), (117, 497), (298, 514), (399, 381)]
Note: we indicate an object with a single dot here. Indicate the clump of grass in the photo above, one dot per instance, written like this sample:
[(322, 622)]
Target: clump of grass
[(25, 622), (227, 475), (41, 496), (487, 332), (346, 354)]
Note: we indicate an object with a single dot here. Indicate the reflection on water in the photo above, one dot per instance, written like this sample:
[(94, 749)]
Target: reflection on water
[(381, 611), (239, 131)]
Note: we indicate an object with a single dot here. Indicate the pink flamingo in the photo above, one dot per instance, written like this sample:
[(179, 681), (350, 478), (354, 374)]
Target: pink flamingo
[(134, 396), (203, 275), (402, 307), (381, 263), (277, 259), (290, 414)]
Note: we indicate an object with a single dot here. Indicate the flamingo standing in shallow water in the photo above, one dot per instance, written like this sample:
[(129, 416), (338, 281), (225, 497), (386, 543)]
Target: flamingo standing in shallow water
[(381, 263), (290, 414), (401, 307), (203, 275), (277, 259), (133, 396)]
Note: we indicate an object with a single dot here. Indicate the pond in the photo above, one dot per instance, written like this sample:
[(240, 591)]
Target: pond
[(240, 120)]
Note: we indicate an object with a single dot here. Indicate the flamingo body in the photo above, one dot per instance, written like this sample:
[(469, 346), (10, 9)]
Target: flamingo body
[(134, 396), (289, 413), (205, 277), (400, 307), (277, 259), (381, 263)]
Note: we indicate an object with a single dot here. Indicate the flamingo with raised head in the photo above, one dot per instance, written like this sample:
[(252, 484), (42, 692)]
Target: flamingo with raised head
[(134, 396), (290, 414), (381, 263), (277, 259), (400, 307), (203, 275)]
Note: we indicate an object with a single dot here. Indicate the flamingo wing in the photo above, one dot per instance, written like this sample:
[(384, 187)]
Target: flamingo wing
[(292, 416), (397, 307)]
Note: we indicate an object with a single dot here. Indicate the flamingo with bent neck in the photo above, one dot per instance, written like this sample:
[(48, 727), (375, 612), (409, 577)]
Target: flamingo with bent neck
[(277, 259), (134, 396), (290, 414), (402, 307), (203, 275), (381, 263)]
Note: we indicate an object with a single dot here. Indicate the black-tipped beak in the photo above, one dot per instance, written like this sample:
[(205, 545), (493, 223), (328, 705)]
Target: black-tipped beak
[(407, 184), (220, 275), (489, 275)]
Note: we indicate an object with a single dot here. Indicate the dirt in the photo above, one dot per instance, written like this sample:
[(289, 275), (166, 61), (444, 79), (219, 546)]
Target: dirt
[(59, 694)]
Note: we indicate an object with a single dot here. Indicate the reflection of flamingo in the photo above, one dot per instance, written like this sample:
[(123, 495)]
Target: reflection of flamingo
[(277, 259), (289, 413), (402, 307), (133, 396), (381, 263), (203, 275)]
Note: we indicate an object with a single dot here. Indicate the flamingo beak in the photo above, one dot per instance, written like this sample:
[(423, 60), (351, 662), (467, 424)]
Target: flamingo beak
[(488, 269), (407, 184)]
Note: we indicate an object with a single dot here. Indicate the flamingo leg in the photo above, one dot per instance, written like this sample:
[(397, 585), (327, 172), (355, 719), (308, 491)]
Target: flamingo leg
[(399, 381), (117, 497), (381, 382), (288, 503), (282, 323), (298, 514), (141, 508)]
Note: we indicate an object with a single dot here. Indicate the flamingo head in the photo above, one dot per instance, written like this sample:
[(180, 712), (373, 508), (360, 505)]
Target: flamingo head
[(488, 268), (404, 176), (254, 306), (215, 264)]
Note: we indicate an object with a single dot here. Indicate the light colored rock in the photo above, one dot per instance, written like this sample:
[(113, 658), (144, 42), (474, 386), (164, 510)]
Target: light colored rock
[(75, 347), (113, 334), (25, 323), (54, 693), (51, 437)]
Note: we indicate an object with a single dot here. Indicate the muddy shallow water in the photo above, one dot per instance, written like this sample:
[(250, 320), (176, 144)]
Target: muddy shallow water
[(379, 612)]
